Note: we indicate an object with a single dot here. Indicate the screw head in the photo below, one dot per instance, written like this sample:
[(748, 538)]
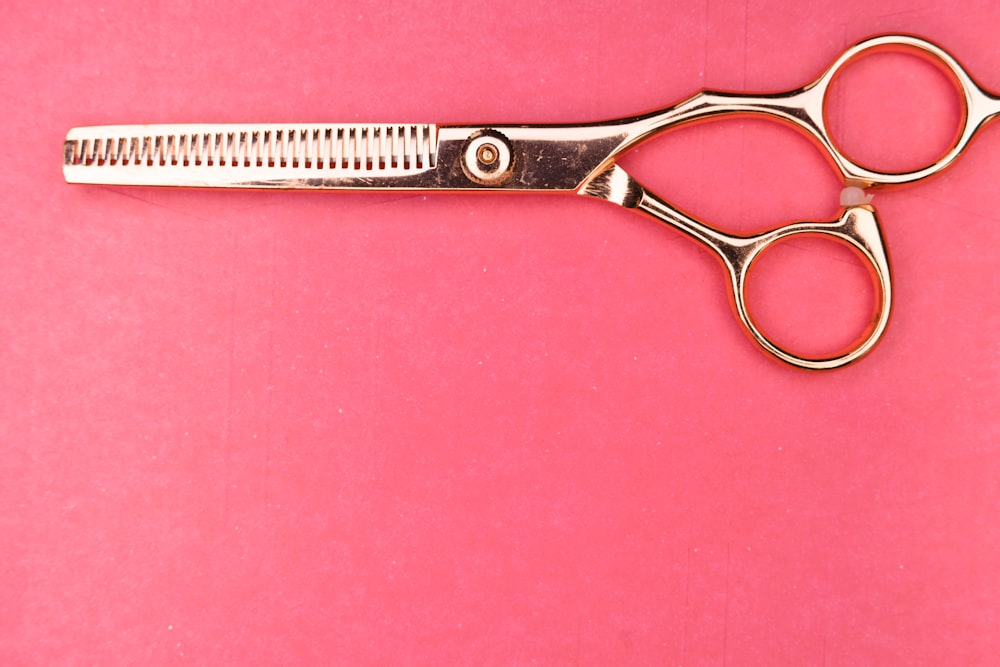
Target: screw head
[(487, 158)]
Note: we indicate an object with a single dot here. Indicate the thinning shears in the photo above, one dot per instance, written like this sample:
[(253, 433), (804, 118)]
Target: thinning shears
[(568, 158)]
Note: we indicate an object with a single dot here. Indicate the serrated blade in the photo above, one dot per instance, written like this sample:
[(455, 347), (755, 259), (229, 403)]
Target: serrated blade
[(252, 155), (539, 158)]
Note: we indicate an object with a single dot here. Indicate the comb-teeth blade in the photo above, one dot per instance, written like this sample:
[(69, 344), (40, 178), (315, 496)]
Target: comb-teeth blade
[(264, 156)]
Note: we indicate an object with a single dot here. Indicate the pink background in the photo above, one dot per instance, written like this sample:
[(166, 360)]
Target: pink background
[(295, 428)]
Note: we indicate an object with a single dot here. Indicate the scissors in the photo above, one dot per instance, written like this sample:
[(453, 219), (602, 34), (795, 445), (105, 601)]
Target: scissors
[(563, 158)]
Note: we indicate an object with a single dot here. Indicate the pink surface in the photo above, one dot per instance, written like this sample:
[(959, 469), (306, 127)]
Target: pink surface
[(286, 428)]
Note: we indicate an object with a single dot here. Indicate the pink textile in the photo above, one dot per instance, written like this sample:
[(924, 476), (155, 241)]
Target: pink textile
[(395, 429)]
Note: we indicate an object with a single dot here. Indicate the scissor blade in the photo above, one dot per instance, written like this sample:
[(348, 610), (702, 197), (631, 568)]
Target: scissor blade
[(287, 156), (551, 158)]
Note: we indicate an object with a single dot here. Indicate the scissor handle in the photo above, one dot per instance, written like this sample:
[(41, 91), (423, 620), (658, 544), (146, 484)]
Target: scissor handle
[(856, 227), (977, 107), (805, 106)]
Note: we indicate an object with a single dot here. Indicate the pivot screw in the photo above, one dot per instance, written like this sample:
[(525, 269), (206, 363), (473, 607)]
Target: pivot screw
[(487, 158)]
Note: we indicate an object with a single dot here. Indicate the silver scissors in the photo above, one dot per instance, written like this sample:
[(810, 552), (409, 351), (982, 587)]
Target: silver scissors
[(567, 158)]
